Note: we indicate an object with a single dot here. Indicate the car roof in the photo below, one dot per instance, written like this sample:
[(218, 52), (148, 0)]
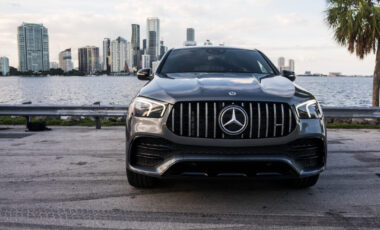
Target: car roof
[(212, 47)]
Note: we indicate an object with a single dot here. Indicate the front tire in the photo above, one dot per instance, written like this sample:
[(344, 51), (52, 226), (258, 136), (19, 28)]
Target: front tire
[(304, 182), (140, 181)]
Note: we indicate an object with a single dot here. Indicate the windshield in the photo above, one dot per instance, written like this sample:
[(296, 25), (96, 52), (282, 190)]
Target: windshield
[(216, 60)]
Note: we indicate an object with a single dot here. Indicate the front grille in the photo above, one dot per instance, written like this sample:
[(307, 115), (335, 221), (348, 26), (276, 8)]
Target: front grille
[(201, 120)]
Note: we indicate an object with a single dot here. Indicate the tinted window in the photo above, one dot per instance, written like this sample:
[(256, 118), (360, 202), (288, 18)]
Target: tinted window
[(216, 60)]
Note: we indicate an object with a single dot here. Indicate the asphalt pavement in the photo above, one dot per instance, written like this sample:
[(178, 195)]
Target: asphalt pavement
[(74, 178)]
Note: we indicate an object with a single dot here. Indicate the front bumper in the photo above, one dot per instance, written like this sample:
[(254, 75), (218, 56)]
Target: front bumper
[(155, 151)]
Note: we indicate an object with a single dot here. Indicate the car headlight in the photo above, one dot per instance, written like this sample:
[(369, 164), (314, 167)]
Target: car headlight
[(143, 107), (309, 110)]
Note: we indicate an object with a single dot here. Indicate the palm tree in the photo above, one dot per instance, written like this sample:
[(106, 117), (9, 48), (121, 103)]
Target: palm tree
[(357, 25)]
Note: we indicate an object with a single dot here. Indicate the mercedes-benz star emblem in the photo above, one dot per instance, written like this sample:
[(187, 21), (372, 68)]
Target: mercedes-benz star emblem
[(233, 120), (232, 93)]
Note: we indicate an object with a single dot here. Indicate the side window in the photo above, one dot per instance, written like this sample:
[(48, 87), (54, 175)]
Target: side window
[(262, 68)]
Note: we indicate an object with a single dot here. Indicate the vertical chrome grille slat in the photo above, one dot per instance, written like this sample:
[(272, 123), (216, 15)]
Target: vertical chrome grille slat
[(258, 120), (290, 120), (197, 119), (223, 105), (173, 116), (181, 119), (282, 120), (214, 120), (267, 120), (189, 120), (250, 120), (206, 113), (274, 119)]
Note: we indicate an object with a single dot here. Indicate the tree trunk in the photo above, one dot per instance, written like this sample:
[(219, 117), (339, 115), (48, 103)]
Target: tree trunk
[(376, 78)]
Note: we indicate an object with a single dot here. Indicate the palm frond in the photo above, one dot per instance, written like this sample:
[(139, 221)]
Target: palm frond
[(356, 24)]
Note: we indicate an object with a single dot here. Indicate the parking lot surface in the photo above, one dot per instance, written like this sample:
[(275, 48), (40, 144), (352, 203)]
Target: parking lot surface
[(74, 178)]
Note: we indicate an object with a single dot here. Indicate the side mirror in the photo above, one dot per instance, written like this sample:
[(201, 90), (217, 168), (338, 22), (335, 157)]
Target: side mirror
[(289, 75), (145, 74)]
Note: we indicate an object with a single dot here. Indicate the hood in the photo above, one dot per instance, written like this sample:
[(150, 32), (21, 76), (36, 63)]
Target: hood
[(217, 86)]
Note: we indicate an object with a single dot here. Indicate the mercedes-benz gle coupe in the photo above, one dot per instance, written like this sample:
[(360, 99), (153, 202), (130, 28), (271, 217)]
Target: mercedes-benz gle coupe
[(223, 112)]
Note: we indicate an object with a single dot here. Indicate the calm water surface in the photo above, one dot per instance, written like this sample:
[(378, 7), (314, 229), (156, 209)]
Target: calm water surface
[(340, 91)]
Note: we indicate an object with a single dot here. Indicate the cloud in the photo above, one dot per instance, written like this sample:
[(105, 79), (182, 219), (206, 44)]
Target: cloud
[(290, 19)]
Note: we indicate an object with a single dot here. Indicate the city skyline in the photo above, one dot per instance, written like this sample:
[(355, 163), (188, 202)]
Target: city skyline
[(293, 29)]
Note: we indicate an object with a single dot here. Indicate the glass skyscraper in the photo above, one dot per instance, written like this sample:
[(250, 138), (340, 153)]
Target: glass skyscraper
[(33, 47), (106, 55), (153, 39), (190, 37), (4, 66), (135, 42)]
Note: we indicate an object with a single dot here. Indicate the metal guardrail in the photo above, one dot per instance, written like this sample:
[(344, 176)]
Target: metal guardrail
[(351, 112), (97, 111), (64, 110)]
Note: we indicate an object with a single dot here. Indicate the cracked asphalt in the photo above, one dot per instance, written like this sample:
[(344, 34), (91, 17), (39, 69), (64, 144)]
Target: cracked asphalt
[(74, 178)]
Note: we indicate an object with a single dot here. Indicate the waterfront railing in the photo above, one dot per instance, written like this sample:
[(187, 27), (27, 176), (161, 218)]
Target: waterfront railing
[(98, 111)]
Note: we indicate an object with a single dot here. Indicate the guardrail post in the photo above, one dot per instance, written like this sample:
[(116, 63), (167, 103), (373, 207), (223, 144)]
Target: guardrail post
[(97, 119), (28, 118), (98, 123)]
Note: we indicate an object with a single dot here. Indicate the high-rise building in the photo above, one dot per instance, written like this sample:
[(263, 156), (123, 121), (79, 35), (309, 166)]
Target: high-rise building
[(190, 34), (88, 58), (129, 56), (163, 49), (281, 63), (153, 39), (190, 37), (155, 66), (135, 41), (106, 64), (119, 55), (65, 62), (4, 66), (144, 45), (291, 65), (152, 49), (33, 47), (53, 65), (143, 52), (145, 61)]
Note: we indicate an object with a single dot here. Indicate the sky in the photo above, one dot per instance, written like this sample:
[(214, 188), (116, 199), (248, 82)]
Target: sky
[(294, 29)]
